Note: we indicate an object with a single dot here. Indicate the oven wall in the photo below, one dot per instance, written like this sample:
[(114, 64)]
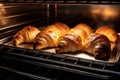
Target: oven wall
[(12, 15), (94, 15)]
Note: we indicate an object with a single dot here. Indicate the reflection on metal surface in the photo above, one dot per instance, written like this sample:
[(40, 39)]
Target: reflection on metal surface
[(2, 15), (105, 12), (2, 10), (20, 13), (109, 13), (56, 11)]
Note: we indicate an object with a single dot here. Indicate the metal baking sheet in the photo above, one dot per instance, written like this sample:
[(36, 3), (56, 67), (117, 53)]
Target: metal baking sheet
[(113, 58)]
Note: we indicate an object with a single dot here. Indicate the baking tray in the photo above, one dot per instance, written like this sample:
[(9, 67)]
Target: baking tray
[(114, 57)]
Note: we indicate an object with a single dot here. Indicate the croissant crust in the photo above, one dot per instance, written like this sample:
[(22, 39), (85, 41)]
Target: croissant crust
[(48, 37), (98, 45), (74, 40), (109, 32), (27, 34)]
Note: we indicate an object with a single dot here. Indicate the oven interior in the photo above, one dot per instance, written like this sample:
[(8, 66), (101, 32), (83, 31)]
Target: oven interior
[(16, 62)]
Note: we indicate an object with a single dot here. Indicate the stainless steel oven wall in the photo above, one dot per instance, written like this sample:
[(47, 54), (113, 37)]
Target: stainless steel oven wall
[(94, 15), (12, 15)]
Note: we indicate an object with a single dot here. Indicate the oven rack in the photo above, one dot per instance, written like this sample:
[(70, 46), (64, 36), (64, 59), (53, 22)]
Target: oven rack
[(63, 1), (12, 69), (62, 62)]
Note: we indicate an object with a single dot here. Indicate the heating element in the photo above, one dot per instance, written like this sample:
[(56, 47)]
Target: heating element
[(18, 63)]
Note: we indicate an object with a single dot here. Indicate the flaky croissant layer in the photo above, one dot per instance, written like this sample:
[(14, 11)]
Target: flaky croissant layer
[(74, 40), (109, 32), (98, 45), (48, 37), (69, 43), (27, 34)]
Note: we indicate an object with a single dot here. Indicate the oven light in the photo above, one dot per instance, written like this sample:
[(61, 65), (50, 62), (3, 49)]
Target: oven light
[(109, 13), (105, 13)]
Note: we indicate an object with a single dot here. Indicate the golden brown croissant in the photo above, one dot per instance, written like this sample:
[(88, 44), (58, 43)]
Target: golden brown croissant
[(98, 45), (110, 33), (48, 37), (74, 39), (27, 34)]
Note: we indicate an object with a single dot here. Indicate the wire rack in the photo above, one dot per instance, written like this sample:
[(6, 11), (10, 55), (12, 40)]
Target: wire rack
[(56, 61), (18, 70)]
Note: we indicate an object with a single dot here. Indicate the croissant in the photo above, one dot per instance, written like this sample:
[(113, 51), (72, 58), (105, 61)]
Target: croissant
[(74, 39), (48, 37), (27, 34), (98, 45), (110, 33)]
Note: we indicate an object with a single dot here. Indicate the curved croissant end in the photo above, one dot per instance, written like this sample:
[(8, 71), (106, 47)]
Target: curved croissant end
[(102, 52), (40, 44), (98, 45), (63, 46), (17, 39), (69, 43), (27, 34), (42, 40)]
